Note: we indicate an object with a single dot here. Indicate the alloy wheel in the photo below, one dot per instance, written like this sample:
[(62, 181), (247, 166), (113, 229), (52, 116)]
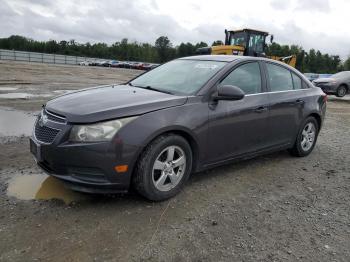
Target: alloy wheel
[(342, 91), (169, 168), (308, 136)]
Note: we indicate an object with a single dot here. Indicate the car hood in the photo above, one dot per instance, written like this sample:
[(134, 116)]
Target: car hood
[(109, 102), (324, 80)]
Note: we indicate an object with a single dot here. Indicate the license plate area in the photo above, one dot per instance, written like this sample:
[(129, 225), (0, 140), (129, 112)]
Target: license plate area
[(35, 149)]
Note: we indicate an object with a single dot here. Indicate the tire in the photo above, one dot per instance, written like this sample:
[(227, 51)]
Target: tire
[(303, 146), (341, 91), (160, 174)]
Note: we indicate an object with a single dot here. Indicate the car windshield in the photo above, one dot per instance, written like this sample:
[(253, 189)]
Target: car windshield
[(179, 76), (341, 74)]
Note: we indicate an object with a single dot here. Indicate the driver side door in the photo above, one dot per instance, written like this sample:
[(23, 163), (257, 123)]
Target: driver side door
[(239, 127)]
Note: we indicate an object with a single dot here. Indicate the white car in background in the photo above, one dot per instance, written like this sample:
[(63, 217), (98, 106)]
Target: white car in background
[(84, 63)]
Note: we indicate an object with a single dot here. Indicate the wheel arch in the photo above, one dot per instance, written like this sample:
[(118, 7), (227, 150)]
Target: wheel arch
[(176, 130), (346, 86), (317, 117)]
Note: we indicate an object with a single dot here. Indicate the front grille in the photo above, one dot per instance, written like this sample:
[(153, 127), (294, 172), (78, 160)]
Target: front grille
[(54, 117), (45, 134)]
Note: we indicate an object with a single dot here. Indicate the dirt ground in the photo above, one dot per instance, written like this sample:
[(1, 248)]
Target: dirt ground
[(271, 208)]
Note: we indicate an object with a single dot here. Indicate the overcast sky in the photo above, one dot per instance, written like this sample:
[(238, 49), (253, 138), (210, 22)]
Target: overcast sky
[(319, 24)]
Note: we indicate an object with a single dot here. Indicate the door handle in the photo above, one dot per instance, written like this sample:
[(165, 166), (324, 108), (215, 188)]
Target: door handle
[(299, 101), (260, 109)]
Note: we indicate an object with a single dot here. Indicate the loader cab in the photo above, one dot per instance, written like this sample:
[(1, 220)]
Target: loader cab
[(253, 41)]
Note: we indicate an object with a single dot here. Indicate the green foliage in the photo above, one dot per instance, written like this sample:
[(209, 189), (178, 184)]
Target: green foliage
[(163, 50), (217, 42), (347, 64), (312, 61)]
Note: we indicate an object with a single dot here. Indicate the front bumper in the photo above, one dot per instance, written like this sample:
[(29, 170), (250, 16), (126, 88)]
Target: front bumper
[(86, 167), (328, 89)]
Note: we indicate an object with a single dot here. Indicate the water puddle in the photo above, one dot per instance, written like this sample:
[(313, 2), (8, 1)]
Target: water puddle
[(22, 95), (41, 187), (15, 123), (8, 88), (16, 95)]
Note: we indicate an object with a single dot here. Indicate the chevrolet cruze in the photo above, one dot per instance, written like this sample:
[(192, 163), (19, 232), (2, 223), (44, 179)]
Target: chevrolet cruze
[(185, 116)]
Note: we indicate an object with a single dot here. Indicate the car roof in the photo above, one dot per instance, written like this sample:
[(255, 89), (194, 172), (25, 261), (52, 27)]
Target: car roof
[(227, 58), (220, 58)]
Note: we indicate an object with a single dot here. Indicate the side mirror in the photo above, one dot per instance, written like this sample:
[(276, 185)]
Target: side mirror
[(228, 92), (271, 39)]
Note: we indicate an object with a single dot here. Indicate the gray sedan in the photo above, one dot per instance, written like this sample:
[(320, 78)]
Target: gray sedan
[(185, 116), (338, 84)]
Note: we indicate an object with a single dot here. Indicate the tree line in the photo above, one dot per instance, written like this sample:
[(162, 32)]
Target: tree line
[(163, 50)]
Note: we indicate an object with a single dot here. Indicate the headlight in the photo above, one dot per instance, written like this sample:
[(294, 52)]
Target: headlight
[(103, 131)]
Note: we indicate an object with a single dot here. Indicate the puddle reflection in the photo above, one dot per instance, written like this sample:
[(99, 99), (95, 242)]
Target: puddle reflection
[(8, 88), (22, 95), (41, 187)]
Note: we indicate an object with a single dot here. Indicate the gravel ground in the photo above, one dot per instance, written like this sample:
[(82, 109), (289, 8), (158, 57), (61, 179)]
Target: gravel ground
[(271, 208)]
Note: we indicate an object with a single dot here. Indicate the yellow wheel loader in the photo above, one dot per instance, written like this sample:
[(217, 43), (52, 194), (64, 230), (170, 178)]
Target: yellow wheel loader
[(245, 42)]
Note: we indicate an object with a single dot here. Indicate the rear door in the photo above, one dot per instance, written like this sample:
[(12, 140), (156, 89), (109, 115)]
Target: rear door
[(286, 104), (239, 127)]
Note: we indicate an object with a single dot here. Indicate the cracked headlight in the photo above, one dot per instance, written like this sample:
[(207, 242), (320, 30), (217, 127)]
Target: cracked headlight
[(103, 131)]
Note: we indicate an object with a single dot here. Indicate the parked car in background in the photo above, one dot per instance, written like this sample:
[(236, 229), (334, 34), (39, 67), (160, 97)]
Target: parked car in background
[(105, 63), (124, 64), (311, 76), (324, 75), (184, 116), (133, 65), (93, 63), (138, 66), (338, 84), (84, 63), (146, 66), (114, 63)]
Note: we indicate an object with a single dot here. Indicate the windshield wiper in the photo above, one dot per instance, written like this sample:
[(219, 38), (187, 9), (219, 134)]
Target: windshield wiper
[(152, 88)]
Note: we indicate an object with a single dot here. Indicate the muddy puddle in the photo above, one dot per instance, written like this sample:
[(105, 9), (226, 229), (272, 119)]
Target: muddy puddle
[(15, 123), (64, 91), (16, 96), (41, 187)]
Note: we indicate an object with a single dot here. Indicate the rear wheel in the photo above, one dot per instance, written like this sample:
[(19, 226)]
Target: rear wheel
[(306, 138), (341, 91), (163, 167)]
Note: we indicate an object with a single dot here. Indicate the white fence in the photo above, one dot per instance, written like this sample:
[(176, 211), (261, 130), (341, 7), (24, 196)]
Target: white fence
[(43, 57)]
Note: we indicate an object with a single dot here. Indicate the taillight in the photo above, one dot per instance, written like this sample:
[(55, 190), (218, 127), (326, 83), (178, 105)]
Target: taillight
[(325, 98)]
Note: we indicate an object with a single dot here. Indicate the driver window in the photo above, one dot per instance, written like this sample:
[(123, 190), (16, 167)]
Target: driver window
[(247, 77)]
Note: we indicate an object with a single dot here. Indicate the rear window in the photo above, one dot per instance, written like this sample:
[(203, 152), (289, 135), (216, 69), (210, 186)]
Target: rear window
[(280, 79)]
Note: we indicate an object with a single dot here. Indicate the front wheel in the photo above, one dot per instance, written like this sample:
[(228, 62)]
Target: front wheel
[(163, 167), (341, 91), (306, 139)]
